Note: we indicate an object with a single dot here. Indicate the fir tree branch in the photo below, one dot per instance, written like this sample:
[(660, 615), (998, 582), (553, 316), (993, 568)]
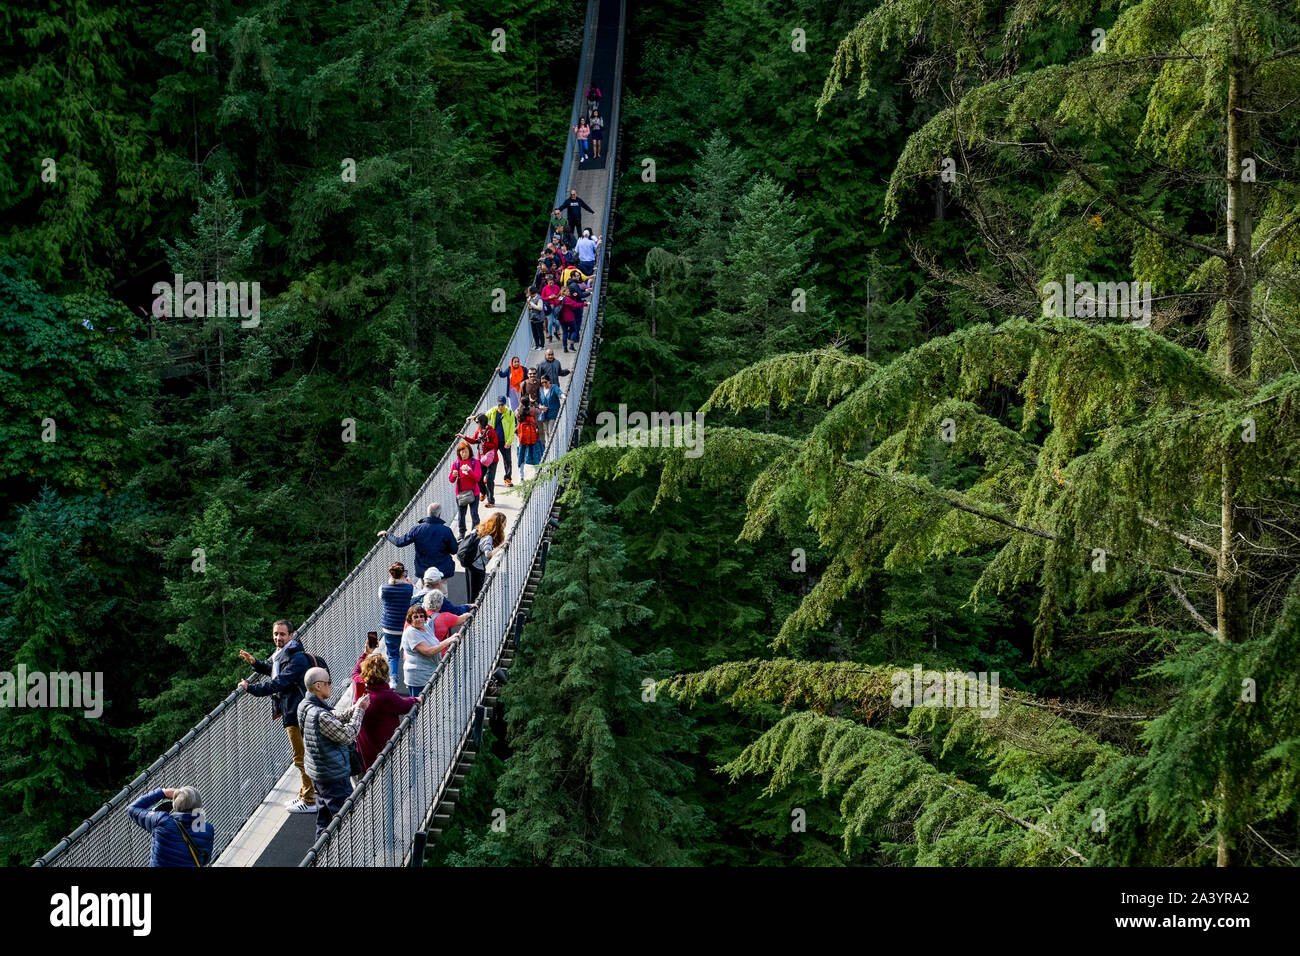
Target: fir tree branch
[(1059, 708), (1028, 825), (1289, 861), (1140, 218), (1089, 67), (956, 500), (1277, 231), (1191, 542), (1196, 615)]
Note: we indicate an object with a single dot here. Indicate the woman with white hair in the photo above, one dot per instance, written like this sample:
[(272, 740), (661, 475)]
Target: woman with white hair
[(434, 596), (181, 834)]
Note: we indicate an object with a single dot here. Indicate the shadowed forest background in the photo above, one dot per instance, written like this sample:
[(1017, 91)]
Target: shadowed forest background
[(800, 269)]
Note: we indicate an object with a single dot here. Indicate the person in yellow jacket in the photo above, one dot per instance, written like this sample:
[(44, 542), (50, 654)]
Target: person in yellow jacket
[(502, 419), (572, 272)]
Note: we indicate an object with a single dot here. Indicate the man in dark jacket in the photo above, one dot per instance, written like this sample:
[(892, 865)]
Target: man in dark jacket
[(327, 736), (551, 368), (181, 837), (435, 544), (285, 688), (574, 207)]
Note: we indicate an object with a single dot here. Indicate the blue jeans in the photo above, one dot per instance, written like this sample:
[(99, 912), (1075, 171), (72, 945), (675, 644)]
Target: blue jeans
[(582, 150), (330, 797), (552, 321), (393, 644), (413, 690)]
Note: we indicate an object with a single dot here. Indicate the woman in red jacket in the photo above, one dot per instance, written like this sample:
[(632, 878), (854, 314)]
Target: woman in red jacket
[(552, 298), (569, 320), (489, 454), (386, 710), (466, 473)]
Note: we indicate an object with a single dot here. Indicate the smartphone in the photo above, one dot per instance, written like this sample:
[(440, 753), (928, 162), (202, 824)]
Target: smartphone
[(372, 639)]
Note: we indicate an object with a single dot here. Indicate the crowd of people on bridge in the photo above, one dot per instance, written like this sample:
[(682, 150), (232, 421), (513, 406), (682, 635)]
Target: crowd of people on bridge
[(418, 625)]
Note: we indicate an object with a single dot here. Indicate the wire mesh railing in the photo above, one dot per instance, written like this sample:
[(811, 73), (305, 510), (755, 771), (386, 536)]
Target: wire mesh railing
[(235, 755)]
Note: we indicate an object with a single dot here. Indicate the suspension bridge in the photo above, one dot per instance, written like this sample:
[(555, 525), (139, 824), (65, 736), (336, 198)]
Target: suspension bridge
[(239, 758)]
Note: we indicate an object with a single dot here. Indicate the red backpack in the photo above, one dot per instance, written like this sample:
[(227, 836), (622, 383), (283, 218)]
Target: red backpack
[(527, 429)]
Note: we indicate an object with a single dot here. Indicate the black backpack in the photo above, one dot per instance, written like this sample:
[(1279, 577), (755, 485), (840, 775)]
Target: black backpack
[(467, 549)]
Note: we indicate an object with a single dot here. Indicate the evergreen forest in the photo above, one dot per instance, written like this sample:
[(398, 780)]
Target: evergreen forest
[(992, 312)]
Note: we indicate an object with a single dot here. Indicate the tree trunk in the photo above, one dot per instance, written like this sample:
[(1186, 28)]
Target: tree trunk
[(1230, 579)]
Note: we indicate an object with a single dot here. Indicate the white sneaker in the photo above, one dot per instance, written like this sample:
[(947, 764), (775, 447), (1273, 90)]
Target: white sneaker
[(392, 683), (297, 806)]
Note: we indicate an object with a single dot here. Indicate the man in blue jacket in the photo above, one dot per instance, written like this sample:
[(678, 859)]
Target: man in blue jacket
[(435, 544), (180, 838), (286, 668), (548, 402)]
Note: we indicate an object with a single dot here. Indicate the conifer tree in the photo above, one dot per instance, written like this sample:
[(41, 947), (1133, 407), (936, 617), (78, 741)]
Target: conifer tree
[(1099, 462), (50, 753), (592, 777), (218, 601)]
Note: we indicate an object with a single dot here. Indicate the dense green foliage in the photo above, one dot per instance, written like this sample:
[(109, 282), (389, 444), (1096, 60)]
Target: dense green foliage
[(378, 171), (1102, 512), (911, 458), (590, 780)]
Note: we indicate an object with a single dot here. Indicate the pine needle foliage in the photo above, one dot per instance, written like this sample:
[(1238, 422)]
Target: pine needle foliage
[(591, 777)]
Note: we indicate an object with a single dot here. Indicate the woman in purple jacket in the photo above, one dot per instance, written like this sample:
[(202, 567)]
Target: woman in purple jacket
[(386, 710)]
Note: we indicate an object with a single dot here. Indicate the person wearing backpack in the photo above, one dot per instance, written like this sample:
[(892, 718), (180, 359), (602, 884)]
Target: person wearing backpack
[(286, 668), (529, 452), (465, 475), (489, 453), (593, 99), (490, 537), (534, 303), (180, 836)]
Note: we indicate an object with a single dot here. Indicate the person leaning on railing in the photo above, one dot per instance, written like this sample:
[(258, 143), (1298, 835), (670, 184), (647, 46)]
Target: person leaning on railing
[(421, 647), (433, 540), (286, 668)]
